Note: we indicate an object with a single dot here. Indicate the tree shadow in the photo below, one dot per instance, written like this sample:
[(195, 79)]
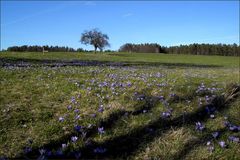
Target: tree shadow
[(149, 103), (126, 145), (27, 62), (202, 140)]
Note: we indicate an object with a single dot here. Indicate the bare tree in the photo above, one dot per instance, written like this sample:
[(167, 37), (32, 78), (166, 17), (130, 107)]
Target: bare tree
[(96, 38)]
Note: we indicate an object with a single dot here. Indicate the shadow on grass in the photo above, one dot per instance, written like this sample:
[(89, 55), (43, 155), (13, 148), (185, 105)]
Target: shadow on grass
[(109, 122), (189, 146), (24, 62), (127, 144)]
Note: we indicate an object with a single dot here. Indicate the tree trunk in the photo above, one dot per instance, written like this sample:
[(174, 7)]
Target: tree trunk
[(95, 49)]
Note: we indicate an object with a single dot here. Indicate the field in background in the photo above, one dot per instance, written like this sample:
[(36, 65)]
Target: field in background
[(119, 105), (159, 59)]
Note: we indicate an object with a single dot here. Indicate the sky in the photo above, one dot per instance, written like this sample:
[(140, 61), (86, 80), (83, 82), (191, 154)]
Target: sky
[(167, 23)]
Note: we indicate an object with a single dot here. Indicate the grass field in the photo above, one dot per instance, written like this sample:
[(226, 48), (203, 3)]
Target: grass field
[(119, 105), (132, 58)]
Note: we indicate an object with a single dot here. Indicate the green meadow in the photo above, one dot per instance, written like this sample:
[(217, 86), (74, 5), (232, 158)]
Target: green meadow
[(161, 59), (119, 106)]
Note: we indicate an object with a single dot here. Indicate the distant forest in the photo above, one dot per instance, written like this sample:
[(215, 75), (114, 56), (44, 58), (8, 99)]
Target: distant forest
[(36, 48), (195, 49)]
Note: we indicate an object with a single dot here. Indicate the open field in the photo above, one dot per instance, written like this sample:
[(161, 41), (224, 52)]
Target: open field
[(130, 58), (119, 105)]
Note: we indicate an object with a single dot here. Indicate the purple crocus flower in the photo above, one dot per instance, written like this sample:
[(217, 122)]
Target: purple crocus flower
[(73, 99), (233, 128), (61, 119), (27, 149), (77, 128), (129, 84), (77, 117), (227, 123), (166, 114), (161, 98), (234, 139), (210, 146), (100, 109), (64, 146), (199, 126), (210, 109), (208, 143), (212, 116), (222, 144), (215, 134), (113, 84), (172, 94), (76, 110), (100, 150), (74, 138), (69, 107), (101, 130), (42, 151)]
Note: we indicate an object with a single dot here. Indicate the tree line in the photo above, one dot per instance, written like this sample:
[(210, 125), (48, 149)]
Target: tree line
[(37, 48), (99, 41), (206, 49), (141, 48), (196, 49)]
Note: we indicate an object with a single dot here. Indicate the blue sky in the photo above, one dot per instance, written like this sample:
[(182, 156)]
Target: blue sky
[(167, 23)]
